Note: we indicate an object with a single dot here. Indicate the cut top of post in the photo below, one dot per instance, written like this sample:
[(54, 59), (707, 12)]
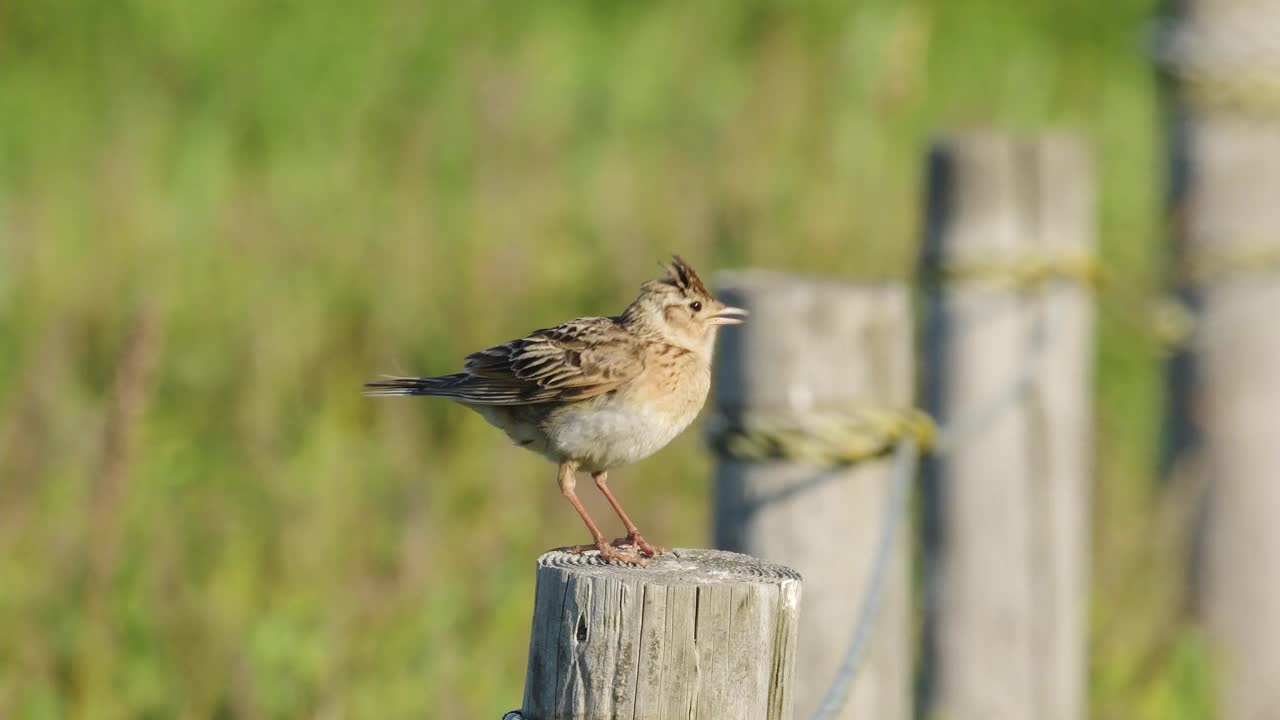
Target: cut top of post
[(696, 635), (678, 567)]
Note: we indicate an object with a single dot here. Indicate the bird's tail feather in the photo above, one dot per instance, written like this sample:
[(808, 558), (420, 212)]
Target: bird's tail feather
[(444, 385)]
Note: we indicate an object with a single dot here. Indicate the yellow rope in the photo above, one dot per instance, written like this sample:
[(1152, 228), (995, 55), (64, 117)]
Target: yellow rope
[(1035, 271), (1032, 271), (1166, 318), (1249, 260), (819, 438), (1171, 322), (1253, 97)]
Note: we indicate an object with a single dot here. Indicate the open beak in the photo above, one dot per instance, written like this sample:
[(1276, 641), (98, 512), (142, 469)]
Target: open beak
[(729, 316)]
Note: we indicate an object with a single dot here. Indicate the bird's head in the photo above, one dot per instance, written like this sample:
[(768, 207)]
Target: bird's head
[(680, 309)]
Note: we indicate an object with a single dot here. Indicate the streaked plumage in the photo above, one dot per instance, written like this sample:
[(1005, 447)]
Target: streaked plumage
[(572, 361), (595, 393)]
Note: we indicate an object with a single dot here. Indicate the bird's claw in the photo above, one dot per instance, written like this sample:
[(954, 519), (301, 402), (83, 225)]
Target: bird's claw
[(609, 553), (637, 541)]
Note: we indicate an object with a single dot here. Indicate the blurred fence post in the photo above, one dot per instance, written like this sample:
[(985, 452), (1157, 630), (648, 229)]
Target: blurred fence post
[(1007, 258), (1225, 154), (697, 633), (820, 365)]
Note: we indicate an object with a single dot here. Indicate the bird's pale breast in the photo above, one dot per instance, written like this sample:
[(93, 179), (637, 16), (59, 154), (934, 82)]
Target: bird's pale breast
[(635, 420), (618, 427)]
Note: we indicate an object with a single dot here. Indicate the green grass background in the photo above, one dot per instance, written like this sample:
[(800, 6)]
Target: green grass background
[(275, 201)]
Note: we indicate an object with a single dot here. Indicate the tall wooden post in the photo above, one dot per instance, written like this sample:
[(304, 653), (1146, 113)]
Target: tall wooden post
[(1009, 242), (1225, 58), (698, 634), (818, 353)]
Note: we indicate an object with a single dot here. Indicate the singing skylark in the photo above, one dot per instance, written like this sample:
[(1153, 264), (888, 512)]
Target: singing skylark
[(598, 392)]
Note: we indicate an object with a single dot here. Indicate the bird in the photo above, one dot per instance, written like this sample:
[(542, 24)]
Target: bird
[(596, 393)]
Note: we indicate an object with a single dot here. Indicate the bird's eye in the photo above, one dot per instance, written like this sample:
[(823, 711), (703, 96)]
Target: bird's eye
[(695, 306)]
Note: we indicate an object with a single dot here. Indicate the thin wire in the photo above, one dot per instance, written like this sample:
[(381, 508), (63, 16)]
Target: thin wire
[(904, 464)]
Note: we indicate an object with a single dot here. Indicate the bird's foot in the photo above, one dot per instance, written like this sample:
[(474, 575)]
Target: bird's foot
[(637, 541), (609, 553)]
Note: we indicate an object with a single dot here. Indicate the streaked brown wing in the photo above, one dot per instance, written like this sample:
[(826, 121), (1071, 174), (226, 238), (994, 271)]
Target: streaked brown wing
[(573, 361)]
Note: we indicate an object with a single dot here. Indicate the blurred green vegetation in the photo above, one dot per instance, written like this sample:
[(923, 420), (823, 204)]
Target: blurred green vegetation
[(218, 219)]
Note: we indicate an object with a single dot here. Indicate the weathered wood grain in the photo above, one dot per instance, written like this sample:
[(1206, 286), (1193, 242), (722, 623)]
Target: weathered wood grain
[(698, 634), (1226, 388), (1006, 510)]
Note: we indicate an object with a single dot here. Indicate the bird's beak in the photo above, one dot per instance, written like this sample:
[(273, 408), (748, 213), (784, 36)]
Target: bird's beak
[(729, 316)]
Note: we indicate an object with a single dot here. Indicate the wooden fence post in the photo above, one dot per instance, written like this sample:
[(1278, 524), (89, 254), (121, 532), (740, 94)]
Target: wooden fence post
[(698, 634), (1225, 58), (817, 351), (1007, 254)]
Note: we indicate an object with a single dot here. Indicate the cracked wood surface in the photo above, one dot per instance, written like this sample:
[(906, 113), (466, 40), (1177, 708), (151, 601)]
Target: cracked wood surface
[(698, 634)]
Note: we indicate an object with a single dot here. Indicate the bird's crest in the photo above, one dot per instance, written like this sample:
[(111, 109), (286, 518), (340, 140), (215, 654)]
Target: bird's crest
[(682, 276)]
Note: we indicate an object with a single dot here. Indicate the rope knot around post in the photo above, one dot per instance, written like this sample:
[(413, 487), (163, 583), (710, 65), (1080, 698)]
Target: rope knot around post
[(1246, 259), (820, 438), (1166, 319), (1025, 272)]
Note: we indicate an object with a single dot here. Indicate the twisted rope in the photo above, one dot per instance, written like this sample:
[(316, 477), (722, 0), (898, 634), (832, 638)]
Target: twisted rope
[(1257, 259), (1166, 318), (1018, 273), (829, 439)]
